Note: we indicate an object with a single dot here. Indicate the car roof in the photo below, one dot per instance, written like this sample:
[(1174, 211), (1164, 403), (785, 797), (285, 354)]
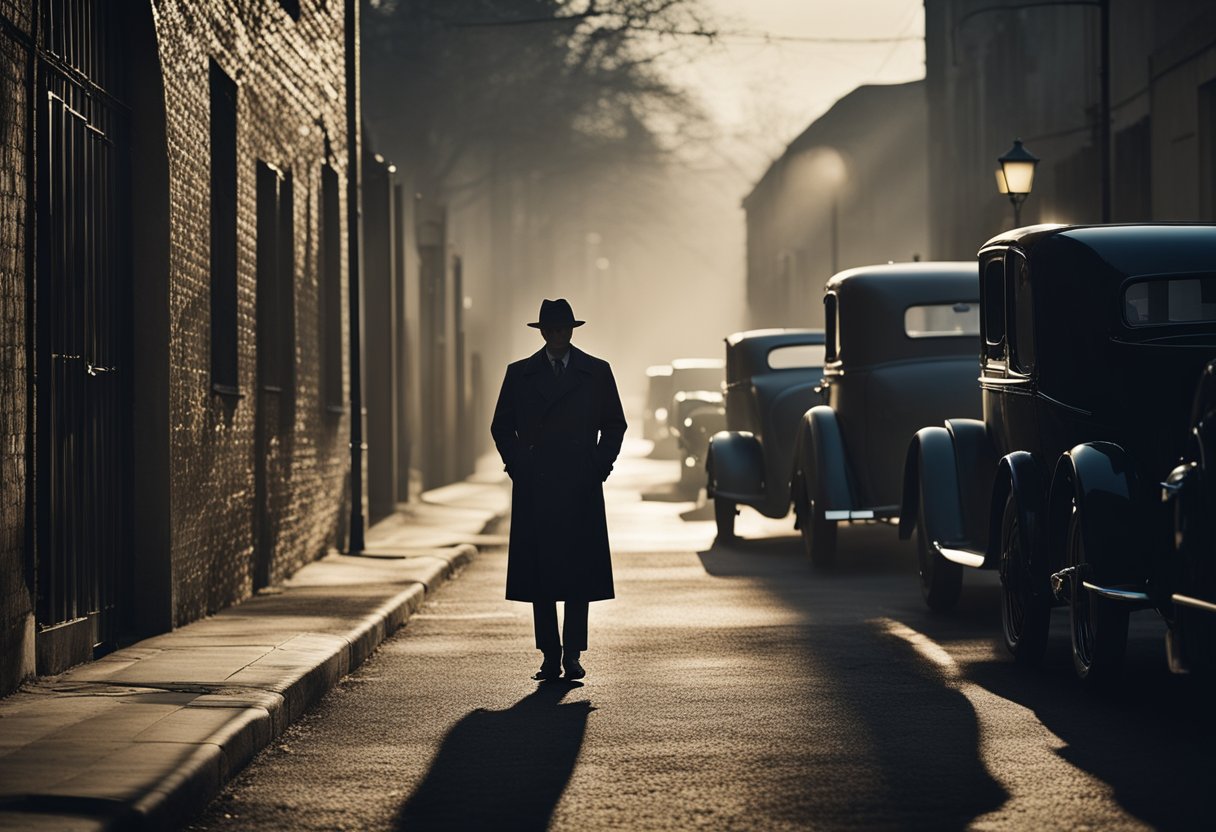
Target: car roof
[(776, 335), (872, 300), (747, 352), (907, 283), (1122, 249)]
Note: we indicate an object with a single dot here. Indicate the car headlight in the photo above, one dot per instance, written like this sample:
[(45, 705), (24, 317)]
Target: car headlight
[(661, 414), (688, 422), (690, 462)]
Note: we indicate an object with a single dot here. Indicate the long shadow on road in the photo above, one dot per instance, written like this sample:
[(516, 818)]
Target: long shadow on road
[(915, 738), (502, 769), (1150, 738)]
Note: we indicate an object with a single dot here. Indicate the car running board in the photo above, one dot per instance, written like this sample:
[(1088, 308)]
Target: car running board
[(965, 557), (1061, 588), (876, 513)]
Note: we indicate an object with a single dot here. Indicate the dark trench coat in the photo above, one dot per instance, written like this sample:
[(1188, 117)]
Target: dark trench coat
[(558, 438)]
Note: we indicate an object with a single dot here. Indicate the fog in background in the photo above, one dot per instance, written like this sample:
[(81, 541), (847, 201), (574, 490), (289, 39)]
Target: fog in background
[(599, 151)]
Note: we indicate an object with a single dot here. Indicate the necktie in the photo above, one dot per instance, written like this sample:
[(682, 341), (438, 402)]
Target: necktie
[(558, 367)]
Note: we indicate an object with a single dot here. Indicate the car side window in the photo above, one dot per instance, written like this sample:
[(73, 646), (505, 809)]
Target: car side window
[(796, 356), (992, 299), (1017, 274)]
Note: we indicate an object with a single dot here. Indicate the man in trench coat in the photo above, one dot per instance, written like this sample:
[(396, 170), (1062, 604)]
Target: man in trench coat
[(558, 426)]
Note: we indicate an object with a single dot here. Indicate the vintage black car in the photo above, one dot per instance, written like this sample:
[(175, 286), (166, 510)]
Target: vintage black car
[(901, 344), (697, 415), (1190, 491), (771, 380), (1092, 338), (694, 412), (654, 414)]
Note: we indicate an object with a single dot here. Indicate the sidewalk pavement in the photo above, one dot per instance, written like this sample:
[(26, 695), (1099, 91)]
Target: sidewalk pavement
[(145, 737)]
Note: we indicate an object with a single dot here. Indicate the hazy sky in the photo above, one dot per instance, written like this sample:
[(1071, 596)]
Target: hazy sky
[(763, 93)]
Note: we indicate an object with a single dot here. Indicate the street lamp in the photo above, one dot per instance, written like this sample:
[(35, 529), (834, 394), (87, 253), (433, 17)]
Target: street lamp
[(1015, 176)]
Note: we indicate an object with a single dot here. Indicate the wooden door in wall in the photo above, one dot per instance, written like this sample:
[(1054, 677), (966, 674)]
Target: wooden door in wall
[(82, 333)]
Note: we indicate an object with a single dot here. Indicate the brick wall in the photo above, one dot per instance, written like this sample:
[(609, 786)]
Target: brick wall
[(291, 100), (16, 620), (290, 96)]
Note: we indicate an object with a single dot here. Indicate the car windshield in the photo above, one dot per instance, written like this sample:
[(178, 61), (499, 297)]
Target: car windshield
[(1170, 300), (942, 320), (796, 356)]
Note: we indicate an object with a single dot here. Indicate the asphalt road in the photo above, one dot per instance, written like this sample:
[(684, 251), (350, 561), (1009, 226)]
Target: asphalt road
[(735, 688)]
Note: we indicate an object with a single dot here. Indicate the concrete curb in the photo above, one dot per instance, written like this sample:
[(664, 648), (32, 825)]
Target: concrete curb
[(196, 782)]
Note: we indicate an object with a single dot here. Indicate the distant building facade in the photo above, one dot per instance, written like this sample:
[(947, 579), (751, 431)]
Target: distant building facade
[(995, 72), (851, 190), (173, 287)]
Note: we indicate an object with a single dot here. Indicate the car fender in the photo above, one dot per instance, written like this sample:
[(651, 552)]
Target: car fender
[(821, 460), (1098, 479), (1018, 474), (735, 466), (975, 463), (931, 477)]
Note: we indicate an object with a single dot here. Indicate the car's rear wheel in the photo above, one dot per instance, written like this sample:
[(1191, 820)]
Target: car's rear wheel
[(724, 516), (941, 580), (1099, 625), (1025, 605)]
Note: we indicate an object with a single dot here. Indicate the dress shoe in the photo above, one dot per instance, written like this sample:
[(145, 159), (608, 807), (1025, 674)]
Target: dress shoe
[(550, 668), (573, 669)]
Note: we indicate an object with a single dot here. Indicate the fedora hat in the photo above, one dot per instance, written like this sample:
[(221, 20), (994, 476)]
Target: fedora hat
[(556, 313)]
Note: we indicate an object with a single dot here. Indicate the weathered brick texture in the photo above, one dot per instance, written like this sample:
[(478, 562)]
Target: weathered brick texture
[(291, 96), (291, 107)]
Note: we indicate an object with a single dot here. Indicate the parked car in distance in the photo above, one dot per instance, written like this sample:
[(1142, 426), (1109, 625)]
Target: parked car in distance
[(702, 377), (654, 414), (1092, 338), (694, 374), (772, 376), (1190, 491), (901, 346), (697, 415)]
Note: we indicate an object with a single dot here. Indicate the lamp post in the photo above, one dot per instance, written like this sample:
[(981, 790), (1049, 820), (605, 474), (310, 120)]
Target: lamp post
[(1015, 176)]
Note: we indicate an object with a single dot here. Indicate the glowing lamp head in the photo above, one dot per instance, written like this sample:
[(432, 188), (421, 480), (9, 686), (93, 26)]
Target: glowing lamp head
[(1017, 165)]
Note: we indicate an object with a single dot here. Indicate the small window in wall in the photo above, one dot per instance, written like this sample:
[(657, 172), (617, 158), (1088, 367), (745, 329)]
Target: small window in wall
[(331, 289), (942, 320), (223, 233), (796, 356), (276, 286)]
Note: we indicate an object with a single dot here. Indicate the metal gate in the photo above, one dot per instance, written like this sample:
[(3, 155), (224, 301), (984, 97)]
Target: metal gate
[(83, 324)]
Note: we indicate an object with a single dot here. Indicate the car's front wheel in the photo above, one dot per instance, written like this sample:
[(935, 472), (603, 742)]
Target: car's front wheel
[(818, 533), (1099, 625), (724, 516), (941, 580), (1025, 606)]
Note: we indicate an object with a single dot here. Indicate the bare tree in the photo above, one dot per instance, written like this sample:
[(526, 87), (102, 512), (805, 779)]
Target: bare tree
[(539, 86)]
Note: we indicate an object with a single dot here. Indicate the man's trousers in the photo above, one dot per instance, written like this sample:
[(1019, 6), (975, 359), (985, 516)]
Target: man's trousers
[(574, 629)]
